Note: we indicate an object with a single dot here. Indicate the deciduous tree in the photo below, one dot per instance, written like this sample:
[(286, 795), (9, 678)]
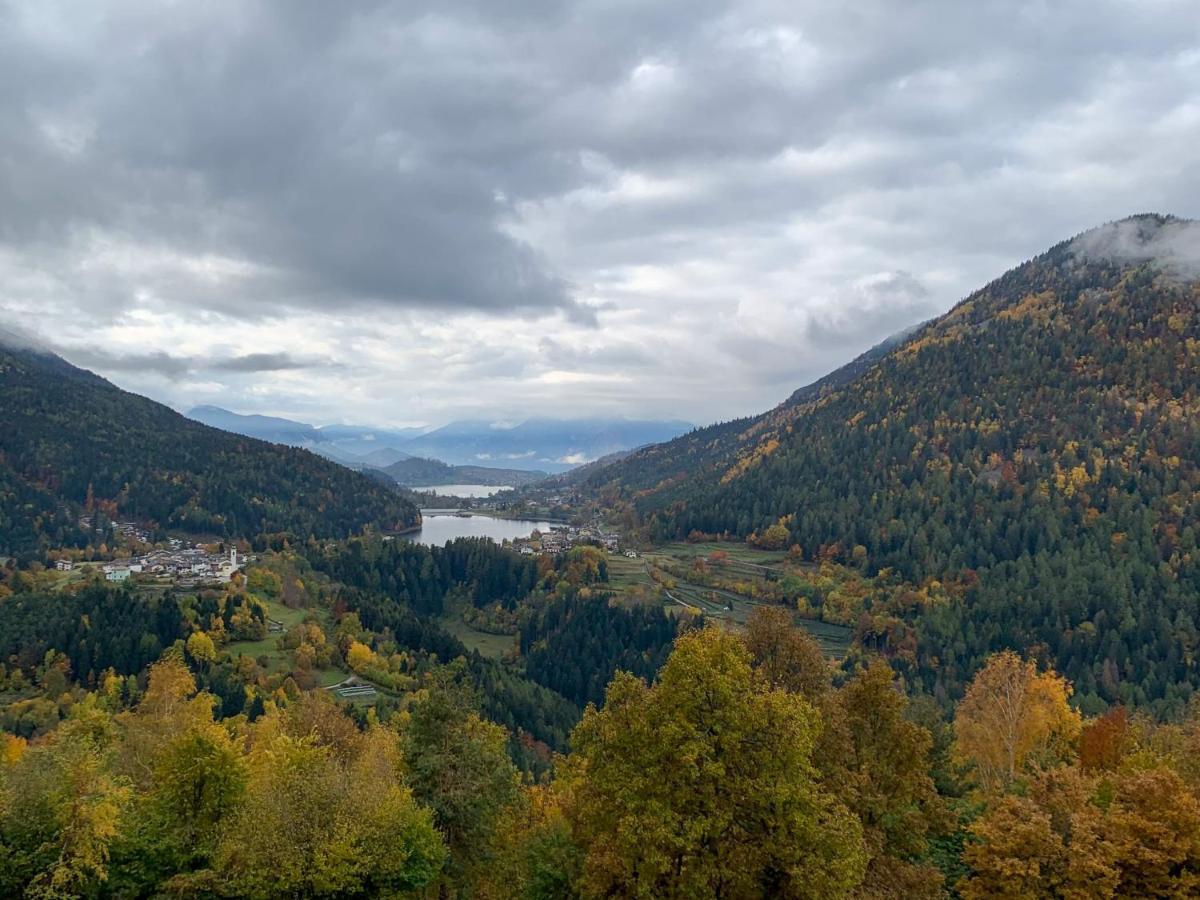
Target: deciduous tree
[(786, 656), (1012, 714), (702, 786)]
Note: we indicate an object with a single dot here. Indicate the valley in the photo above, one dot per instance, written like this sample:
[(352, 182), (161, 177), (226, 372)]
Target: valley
[(600, 450), (1000, 502)]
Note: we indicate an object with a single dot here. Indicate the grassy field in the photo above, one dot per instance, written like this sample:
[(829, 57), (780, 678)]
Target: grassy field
[(493, 646), (328, 677), (744, 553), (624, 572), (53, 580), (282, 660)]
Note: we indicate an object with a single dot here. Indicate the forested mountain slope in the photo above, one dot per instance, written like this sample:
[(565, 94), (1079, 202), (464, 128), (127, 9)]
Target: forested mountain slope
[(70, 438), (1036, 449)]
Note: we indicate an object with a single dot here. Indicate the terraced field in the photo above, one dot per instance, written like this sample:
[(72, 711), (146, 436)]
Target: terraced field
[(632, 580)]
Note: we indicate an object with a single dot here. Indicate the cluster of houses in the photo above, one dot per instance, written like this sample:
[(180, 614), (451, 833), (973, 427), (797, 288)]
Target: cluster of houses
[(185, 565), (131, 530), (561, 538)]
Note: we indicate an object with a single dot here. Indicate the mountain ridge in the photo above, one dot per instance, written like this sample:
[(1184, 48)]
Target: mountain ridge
[(1040, 436), (416, 472)]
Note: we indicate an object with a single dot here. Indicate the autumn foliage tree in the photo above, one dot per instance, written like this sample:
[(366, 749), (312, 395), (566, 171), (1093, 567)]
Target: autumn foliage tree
[(1075, 836), (877, 762), (1013, 715), (785, 656), (702, 785), (457, 764), (164, 799)]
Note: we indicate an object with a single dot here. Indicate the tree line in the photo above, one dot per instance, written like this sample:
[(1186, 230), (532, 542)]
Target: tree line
[(743, 770)]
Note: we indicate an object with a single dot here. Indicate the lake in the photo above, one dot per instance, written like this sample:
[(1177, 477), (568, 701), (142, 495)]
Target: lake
[(465, 490), (438, 529)]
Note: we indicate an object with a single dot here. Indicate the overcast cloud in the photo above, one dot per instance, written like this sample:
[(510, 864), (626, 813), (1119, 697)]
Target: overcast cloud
[(405, 213)]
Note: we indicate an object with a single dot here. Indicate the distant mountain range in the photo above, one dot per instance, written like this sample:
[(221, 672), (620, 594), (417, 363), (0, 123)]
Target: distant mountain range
[(350, 445), (540, 445), (418, 472), (551, 445)]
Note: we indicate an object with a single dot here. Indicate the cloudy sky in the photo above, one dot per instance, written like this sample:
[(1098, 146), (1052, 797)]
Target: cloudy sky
[(395, 213)]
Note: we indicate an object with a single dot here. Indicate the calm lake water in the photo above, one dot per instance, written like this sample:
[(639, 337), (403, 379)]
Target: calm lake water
[(466, 490), (439, 529)]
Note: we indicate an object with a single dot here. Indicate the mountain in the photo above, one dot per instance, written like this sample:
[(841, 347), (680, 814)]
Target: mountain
[(535, 445), (265, 428), (551, 445), (69, 435), (1028, 465), (350, 445), (363, 440), (382, 457), (417, 472)]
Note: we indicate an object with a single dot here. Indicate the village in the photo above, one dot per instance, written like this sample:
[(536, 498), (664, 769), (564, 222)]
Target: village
[(562, 538), (185, 564)]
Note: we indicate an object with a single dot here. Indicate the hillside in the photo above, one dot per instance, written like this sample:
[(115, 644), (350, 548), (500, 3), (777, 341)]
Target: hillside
[(1034, 451), (70, 436), (417, 472)]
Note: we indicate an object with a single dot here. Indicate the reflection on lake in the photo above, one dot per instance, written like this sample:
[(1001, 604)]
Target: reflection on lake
[(438, 529), (465, 490)]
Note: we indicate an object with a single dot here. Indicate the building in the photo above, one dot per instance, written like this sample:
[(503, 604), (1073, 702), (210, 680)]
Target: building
[(117, 575), (63, 565)]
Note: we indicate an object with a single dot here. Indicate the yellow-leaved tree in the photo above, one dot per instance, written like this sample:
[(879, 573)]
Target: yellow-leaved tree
[(702, 785), (1012, 716)]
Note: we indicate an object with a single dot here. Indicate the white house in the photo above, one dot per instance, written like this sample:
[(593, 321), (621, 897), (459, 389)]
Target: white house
[(117, 575)]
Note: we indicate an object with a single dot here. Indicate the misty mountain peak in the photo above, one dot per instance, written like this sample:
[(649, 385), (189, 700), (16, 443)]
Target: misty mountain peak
[(1172, 244)]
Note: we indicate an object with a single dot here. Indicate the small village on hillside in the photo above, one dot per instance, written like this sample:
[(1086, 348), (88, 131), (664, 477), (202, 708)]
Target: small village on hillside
[(184, 563), (185, 566), (563, 537)]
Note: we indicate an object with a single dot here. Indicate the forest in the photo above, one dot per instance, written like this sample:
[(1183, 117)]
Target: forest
[(746, 768), (74, 445), (1033, 456)]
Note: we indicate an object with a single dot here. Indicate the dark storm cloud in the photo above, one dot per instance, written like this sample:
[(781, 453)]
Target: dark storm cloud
[(264, 362), (175, 367), (158, 363), (296, 157)]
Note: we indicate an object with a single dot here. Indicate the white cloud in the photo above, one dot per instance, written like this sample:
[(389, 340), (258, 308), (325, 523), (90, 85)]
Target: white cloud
[(492, 211)]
